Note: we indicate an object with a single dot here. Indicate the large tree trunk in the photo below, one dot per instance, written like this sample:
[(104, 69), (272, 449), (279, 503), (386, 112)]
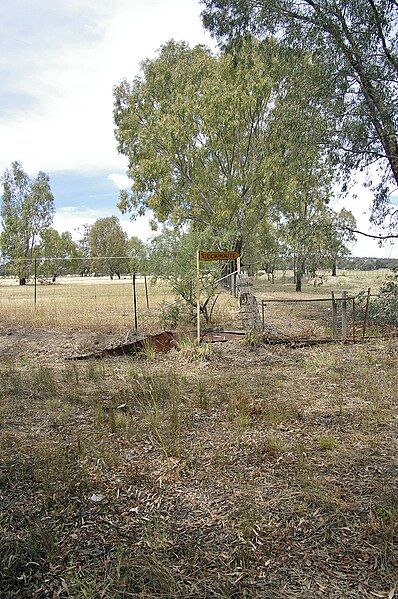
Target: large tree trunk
[(334, 269), (22, 280), (298, 279), (300, 266)]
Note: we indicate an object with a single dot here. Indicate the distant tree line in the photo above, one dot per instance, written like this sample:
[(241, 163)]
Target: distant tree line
[(359, 263), (27, 212), (309, 236)]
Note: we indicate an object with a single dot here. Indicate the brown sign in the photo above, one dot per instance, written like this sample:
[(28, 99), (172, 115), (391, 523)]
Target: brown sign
[(210, 256)]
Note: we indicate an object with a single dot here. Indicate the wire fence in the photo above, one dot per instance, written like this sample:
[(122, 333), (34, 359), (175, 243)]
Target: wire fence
[(338, 317), (72, 296), (69, 294)]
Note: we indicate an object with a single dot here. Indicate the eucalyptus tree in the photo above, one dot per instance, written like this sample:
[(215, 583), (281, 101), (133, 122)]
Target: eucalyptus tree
[(337, 236), (60, 253), (137, 251), (210, 139), (83, 246), (27, 210), (304, 235), (355, 45), (265, 246), (108, 246), (171, 257)]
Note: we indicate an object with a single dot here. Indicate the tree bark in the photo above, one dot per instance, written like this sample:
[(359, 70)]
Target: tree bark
[(334, 269), (298, 279), (22, 280), (300, 266), (378, 111)]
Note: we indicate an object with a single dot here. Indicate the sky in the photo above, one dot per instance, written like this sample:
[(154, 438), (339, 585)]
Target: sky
[(59, 62)]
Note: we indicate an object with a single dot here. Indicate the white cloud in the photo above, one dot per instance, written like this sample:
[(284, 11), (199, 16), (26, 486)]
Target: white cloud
[(121, 181), (71, 126), (73, 218)]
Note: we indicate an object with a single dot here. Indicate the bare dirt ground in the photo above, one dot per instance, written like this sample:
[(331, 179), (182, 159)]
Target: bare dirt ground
[(229, 471), (50, 347)]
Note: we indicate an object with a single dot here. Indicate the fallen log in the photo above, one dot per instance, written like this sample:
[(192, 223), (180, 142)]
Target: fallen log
[(302, 341)]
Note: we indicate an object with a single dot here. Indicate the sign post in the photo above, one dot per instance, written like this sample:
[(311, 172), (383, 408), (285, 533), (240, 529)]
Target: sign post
[(214, 256), (202, 256), (198, 295)]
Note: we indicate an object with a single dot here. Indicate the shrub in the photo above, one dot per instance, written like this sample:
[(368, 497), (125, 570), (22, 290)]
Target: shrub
[(385, 308)]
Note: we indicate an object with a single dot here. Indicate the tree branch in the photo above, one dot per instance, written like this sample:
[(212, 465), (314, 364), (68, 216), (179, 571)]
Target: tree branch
[(369, 234), (390, 56)]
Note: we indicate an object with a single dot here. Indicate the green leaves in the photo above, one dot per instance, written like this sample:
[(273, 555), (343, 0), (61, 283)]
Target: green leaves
[(107, 238), (195, 128), (27, 210), (62, 248), (352, 49)]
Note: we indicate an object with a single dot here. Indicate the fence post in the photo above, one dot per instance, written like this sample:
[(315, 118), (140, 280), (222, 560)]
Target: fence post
[(334, 317), (238, 271), (35, 271), (198, 286), (353, 318), (365, 320), (344, 316), (135, 304), (146, 292)]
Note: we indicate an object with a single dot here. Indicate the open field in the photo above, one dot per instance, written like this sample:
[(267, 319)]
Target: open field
[(233, 471), (352, 281), (314, 319), (91, 304), (101, 305), (94, 304)]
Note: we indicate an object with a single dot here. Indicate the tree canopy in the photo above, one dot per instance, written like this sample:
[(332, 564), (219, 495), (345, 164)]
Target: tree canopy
[(59, 252), (215, 141), (355, 44), (27, 210), (171, 256), (107, 238)]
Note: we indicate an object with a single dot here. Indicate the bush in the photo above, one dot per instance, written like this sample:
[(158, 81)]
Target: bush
[(385, 308), (176, 314)]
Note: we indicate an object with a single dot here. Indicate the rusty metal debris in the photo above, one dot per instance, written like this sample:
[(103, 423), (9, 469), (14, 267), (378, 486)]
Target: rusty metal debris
[(160, 343), (221, 336)]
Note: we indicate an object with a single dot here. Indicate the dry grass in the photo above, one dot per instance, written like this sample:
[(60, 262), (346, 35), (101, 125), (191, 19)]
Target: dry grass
[(315, 319), (247, 471), (99, 304), (92, 304), (349, 280), (240, 476)]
